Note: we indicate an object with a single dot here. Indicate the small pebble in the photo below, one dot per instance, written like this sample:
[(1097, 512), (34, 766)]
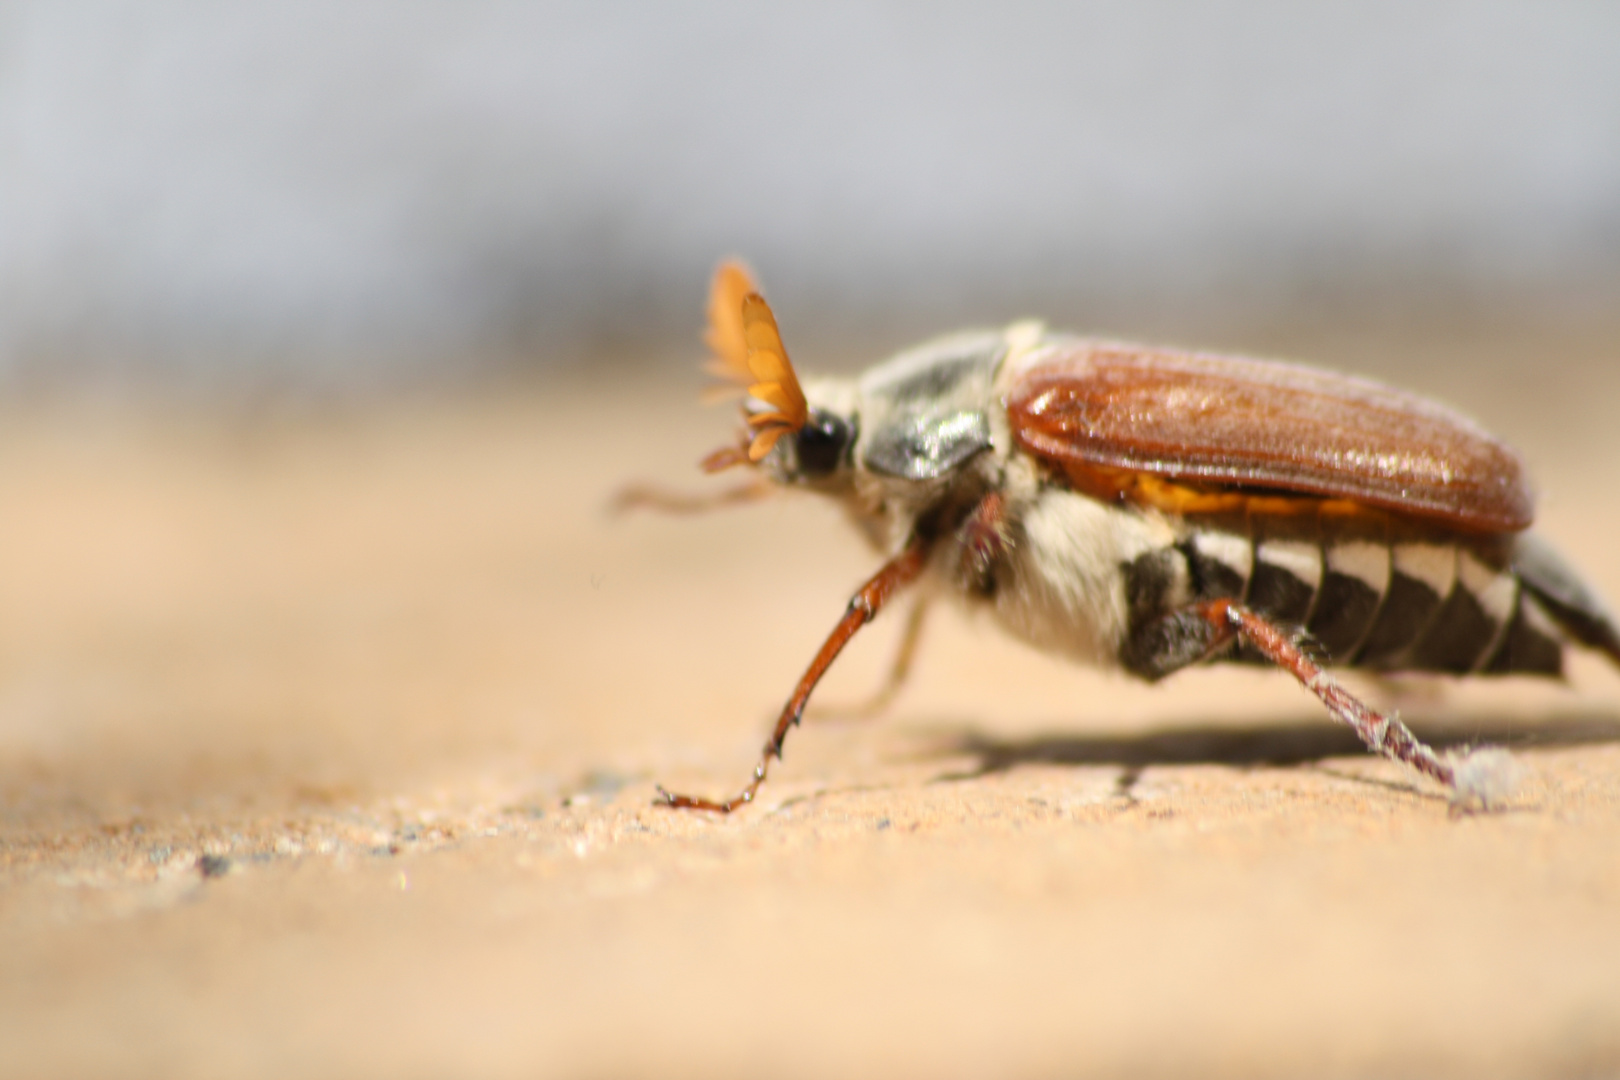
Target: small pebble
[(213, 865)]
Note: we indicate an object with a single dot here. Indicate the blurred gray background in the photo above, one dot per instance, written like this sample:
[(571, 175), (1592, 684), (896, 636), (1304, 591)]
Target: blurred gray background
[(359, 193)]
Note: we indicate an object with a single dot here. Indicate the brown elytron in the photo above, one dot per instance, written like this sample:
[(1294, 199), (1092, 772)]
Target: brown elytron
[(1112, 417)]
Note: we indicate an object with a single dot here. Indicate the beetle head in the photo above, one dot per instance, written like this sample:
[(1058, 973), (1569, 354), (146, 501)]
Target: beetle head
[(795, 440), (821, 453)]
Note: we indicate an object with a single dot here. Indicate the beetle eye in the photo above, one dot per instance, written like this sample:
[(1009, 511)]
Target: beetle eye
[(821, 443)]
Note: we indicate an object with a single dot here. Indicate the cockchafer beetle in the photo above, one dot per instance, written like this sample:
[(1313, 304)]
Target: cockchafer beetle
[(1150, 510)]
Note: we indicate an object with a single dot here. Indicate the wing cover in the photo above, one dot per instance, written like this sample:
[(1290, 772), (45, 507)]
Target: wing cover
[(1099, 410)]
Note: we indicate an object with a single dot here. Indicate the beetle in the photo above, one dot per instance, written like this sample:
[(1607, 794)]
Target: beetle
[(1151, 510)]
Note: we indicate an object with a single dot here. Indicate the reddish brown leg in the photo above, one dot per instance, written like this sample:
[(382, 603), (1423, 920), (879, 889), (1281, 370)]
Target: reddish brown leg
[(1383, 734), (863, 608), (983, 540), (651, 497), (899, 670), (984, 537)]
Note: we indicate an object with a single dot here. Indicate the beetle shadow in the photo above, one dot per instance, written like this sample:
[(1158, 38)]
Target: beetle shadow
[(1304, 743)]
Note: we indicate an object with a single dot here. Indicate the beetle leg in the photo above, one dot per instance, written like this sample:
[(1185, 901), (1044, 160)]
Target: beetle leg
[(1384, 735), (662, 499), (898, 671), (983, 538), (863, 608)]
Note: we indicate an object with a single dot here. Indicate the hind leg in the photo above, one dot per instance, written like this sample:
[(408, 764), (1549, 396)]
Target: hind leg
[(1184, 637)]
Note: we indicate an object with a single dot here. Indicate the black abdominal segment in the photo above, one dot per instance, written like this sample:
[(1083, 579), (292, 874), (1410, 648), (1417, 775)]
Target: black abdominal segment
[(1353, 588), (1391, 605)]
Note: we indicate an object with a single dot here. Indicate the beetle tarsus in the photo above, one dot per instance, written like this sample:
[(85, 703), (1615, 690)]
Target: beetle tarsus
[(1486, 780), (863, 608), (672, 801)]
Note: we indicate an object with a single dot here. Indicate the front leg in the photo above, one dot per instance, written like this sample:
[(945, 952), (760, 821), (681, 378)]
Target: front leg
[(638, 496), (863, 608), (899, 670)]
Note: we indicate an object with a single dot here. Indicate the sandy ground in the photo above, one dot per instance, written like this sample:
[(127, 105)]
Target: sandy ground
[(328, 739)]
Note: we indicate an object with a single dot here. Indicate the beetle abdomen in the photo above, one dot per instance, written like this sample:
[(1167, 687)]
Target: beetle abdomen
[(1425, 604)]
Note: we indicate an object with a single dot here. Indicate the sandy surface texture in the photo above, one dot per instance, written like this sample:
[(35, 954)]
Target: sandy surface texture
[(328, 742)]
